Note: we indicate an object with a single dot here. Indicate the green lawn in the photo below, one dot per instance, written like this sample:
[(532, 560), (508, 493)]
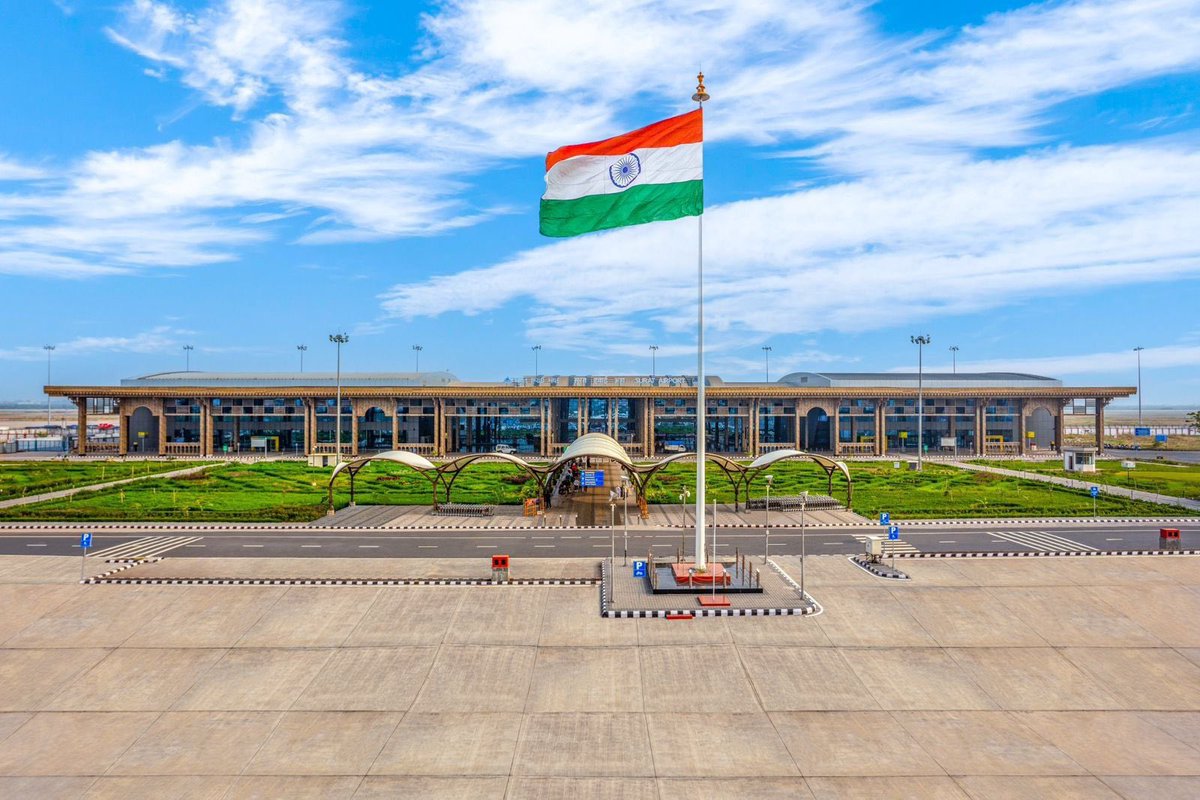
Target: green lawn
[(935, 492), (285, 491), (277, 491), (1177, 480), (23, 478)]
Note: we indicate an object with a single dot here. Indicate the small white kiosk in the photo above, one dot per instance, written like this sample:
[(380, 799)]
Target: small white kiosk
[(1079, 459)]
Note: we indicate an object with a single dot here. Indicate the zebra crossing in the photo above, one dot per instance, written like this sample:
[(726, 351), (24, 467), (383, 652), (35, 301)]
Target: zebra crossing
[(1040, 540), (892, 546), (145, 547)]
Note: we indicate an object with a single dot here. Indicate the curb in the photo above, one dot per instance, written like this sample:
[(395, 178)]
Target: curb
[(866, 566), (646, 613), (1048, 553), (103, 576), (338, 581)]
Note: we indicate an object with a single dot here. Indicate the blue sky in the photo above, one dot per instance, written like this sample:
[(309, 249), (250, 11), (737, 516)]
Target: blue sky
[(1019, 180)]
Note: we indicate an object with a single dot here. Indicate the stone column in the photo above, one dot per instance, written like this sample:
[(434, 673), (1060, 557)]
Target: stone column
[(81, 408), (1058, 427), (836, 428), (1022, 447), (205, 427), (123, 441), (355, 410), (880, 432), (395, 401), (1100, 402), (162, 428), (439, 426), (980, 424)]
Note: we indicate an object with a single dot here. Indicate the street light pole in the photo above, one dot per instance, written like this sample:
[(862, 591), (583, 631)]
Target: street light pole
[(302, 348), (187, 350), (417, 357), (653, 364), (954, 359), (338, 339), (49, 348), (920, 342), (625, 517), (803, 549), (767, 361), (767, 526), (537, 348), (1139, 350)]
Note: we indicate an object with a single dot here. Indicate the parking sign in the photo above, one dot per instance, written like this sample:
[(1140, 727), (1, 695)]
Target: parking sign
[(85, 541), (639, 569), (1094, 491), (885, 518), (894, 532)]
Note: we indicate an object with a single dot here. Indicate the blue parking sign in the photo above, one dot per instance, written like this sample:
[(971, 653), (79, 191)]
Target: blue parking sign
[(885, 518), (85, 541), (894, 532), (1094, 491), (639, 569)]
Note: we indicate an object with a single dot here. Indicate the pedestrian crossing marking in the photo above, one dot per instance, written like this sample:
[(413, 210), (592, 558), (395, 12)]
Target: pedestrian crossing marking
[(145, 547), (892, 545), (1040, 540)]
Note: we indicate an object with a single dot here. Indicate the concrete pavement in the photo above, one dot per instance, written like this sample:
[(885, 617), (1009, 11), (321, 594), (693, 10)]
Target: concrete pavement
[(1000, 679)]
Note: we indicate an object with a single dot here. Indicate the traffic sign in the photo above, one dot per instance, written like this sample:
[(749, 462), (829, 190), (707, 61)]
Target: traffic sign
[(885, 518), (85, 541), (639, 569), (591, 477), (1161, 437), (1094, 491), (1141, 431), (894, 532)]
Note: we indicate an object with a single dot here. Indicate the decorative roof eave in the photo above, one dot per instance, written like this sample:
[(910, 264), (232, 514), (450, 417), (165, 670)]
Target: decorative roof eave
[(491, 391)]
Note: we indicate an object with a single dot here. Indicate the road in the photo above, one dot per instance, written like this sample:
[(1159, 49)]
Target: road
[(589, 542)]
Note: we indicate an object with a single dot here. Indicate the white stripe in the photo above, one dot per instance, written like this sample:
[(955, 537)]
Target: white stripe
[(581, 176)]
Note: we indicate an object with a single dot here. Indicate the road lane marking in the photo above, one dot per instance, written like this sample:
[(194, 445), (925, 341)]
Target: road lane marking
[(1118, 539), (35, 545), (252, 545), (946, 541), (368, 547), (543, 545), (310, 545), (427, 547)]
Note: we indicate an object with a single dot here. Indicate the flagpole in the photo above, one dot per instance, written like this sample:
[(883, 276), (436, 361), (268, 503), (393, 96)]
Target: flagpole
[(701, 428)]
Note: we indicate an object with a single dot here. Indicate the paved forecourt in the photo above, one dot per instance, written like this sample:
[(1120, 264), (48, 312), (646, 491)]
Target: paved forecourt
[(997, 678)]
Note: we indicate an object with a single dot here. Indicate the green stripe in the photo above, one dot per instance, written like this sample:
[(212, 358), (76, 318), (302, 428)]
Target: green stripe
[(650, 202)]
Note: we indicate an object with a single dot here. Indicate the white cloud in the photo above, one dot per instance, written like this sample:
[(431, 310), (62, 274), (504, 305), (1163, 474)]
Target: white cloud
[(159, 339), (955, 240), (11, 170), (363, 154), (1122, 362)]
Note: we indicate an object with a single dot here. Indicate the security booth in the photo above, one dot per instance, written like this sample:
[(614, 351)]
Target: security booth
[(1079, 459)]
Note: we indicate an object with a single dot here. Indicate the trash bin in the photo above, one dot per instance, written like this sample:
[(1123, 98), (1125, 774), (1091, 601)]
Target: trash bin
[(499, 569), (1168, 539)]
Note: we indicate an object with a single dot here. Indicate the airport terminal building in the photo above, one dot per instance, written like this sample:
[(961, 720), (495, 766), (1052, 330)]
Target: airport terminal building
[(436, 414)]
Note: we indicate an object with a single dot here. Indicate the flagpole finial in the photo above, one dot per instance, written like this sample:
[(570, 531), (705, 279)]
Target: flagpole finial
[(700, 96)]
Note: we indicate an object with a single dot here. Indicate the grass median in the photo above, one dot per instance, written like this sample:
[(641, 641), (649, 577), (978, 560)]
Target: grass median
[(285, 491)]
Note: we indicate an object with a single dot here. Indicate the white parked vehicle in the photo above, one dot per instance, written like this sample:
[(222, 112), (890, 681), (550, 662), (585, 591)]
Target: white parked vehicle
[(506, 448)]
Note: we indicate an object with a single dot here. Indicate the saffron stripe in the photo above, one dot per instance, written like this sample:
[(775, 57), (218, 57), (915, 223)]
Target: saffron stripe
[(685, 129)]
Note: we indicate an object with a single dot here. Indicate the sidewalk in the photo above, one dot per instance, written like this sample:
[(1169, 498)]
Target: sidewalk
[(1071, 483), (39, 498)]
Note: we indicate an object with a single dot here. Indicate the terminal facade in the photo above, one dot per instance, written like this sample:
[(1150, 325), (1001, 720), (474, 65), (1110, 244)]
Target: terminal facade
[(435, 414)]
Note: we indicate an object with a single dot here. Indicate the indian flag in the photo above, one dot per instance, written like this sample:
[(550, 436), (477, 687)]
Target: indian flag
[(651, 174)]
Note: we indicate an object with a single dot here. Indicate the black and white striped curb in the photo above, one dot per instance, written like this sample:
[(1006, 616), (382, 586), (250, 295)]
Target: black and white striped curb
[(103, 577), (654, 613), (1045, 553), (874, 569), (1001, 522), (343, 581)]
